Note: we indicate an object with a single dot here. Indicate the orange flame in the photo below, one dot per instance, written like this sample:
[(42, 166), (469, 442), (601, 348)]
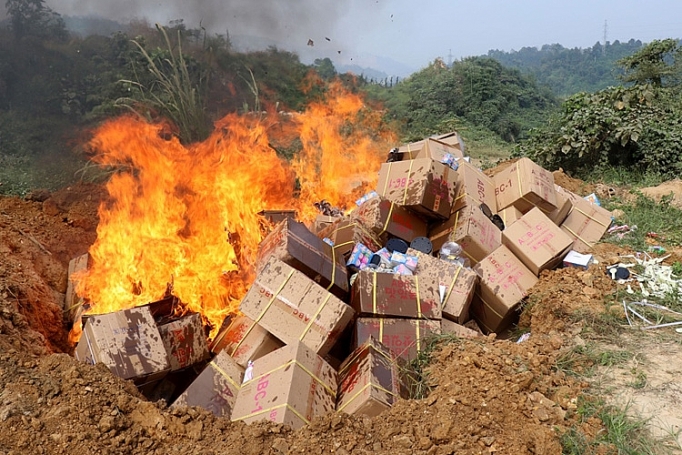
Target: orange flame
[(186, 218)]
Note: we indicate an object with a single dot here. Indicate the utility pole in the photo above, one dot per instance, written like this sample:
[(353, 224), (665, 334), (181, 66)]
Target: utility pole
[(606, 36), (450, 59)]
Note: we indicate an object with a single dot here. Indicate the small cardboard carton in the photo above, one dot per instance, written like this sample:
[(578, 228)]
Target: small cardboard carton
[(537, 241), (404, 337), (388, 294), (452, 138), (371, 380), (77, 265), (292, 243), (457, 329), (290, 386), (128, 342), (510, 215), (456, 284), (244, 340), (564, 205), (216, 388), (185, 341), (435, 147), (575, 259), (525, 185), (423, 185), (345, 233), (471, 229), (293, 308), (505, 281), (474, 187), (385, 218), (586, 223)]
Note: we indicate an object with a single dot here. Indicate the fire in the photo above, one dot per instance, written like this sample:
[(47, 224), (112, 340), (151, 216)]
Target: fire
[(185, 219)]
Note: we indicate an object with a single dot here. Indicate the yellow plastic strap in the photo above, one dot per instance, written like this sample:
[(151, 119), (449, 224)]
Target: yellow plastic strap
[(591, 245), (388, 175), (407, 183), (263, 411), (350, 242), (591, 217), (388, 220), (374, 293), (356, 394), (333, 278), (419, 348), (409, 152), (312, 319), (352, 359), (452, 285), (419, 304), (295, 362), (267, 307), (381, 330), (224, 374)]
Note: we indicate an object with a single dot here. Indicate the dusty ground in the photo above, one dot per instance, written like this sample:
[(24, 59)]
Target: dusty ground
[(488, 396)]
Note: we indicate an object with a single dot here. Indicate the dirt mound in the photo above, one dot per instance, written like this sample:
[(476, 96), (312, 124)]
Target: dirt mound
[(672, 189), (574, 185)]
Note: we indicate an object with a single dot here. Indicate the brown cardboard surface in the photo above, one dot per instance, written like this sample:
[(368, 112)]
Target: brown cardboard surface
[(537, 241), (404, 337), (216, 388), (384, 217), (423, 185), (73, 302), (474, 185), (388, 294), (505, 281), (245, 340), (457, 329), (370, 380), (458, 284), (564, 205), (471, 229), (292, 243), (437, 150), (293, 308), (510, 215), (322, 222), (185, 341), (525, 185), (586, 223), (128, 342), (291, 386), (346, 233), (452, 138)]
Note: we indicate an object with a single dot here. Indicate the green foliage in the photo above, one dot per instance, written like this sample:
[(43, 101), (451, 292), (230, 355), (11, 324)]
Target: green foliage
[(33, 18), (653, 64)]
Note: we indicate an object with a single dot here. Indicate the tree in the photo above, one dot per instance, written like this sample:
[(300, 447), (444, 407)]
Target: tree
[(33, 18), (325, 68), (653, 64)]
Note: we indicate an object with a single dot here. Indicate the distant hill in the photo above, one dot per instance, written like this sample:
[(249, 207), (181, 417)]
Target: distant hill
[(92, 25), (369, 73)]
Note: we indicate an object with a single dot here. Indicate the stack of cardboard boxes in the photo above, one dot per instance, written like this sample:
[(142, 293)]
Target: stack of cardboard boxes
[(336, 310)]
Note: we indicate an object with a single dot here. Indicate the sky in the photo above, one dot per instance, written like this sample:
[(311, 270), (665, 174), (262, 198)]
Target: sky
[(408, 32)]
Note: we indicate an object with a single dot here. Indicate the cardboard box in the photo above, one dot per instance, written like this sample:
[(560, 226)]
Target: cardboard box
[(564, 205), (244, 340), (277, 216), (456, 284), (435, 147), (510, 215), (384, 217), (537, 241), (128, 342), (423, 185), (293, 308), (586, 223), (216, 388), (404, 337), (525, 185), (346, 233), (371, 380), (471, 229), (322, 222), (505, 281), (575, 259), (290, 386), (77, 266), (474, 185), (388, 294), (291, 242), (457, 329), (185, 341)]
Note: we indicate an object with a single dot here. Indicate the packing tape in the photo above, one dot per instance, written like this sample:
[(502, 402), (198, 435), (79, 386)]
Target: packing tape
[(409, 152), (591, 245), (224, 374), (374, 293), (447, 231), (419, 304), (452, 286), (388, 219), (407, 182), (388, 175), (354, 357), (313, 317), (263, 411), (418, 337), (302, 367), (381, 330), (356, 394), (350, 242), (589, 216)]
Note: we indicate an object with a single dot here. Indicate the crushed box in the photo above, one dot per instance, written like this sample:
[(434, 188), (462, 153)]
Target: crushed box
[(564, 205), (586, 223), (371, 380), (216, 387), (292, 243), (537, 241), (423, 185), (389, 294), (404, 337), (290, 386), (525, 185), (244, 340), (458, 330), (77, 266), (474, 187), (386, 219), (345, 233), (505, 281), (185, 341), (292, 307)]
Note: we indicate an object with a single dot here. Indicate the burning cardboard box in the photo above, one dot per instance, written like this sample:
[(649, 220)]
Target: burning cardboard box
[(185, 341), (423, 185), (404, 337), (458, 330), (564, 205), (290, 386), (471, 229), (505, 281), (436, 148), (384, 217), (128, 342), (292, 243), (244, 340), (293, 308), (537, 241), (474, 187), (216, 388), (510, 215), (277, 216), (322, 222), (456, 284), (371, 380), (73, 302), (525, 185), (389, 294), (586, 223), (345, 233)]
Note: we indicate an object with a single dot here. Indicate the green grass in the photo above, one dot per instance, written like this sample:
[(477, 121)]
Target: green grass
[(582, 360), (624, 176)]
